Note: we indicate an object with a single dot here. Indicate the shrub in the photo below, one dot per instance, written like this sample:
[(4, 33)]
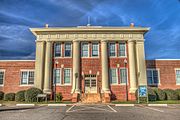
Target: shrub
[(160, 94), (178, 92), (1, 95), (20, 96), (31, 94), (9, 97), (171, 94), (151, 95), (59, 97)]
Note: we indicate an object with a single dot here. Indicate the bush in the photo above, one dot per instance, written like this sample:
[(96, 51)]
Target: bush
[(31, 94), (178, 92), (59, 97), (171, 94), (160, 94), (151, 95), (20, 96), (9, 97), (1, 95)]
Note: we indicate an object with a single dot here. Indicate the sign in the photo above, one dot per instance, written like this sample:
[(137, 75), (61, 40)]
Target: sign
[(142, 91)]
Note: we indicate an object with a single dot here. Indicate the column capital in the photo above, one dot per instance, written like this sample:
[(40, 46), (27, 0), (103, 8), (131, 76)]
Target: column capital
[(76, 40), (105, 41)]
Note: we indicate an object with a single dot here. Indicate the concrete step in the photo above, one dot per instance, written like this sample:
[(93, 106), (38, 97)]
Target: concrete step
[(91, 98)]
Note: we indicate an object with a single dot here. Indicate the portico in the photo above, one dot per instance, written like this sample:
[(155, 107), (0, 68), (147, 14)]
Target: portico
[(89, 48)]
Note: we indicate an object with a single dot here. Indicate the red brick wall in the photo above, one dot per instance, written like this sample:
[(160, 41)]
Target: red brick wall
[(12, 74), (167, 72)]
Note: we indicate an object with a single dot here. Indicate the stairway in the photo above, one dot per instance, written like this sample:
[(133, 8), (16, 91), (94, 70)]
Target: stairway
[(91, 98)]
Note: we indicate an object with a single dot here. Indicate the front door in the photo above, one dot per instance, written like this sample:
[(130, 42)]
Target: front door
[(90, 85)]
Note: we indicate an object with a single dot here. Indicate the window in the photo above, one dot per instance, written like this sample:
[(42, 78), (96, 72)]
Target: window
[(1, 77), (67, 50), (95, 49), (27, 77), (122, 49), (178, 76), (112, 49), (123, 75), (67, 76), (113, 76), (84, 50), (57, 76), (57, 50), (152, 77)]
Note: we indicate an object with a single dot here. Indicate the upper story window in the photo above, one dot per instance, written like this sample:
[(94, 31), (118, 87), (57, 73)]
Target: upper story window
[(178, 76), (67, 51), (84, 50), (57, 49), (95, 49), (67, 75), (123, 75), (27, 77), (152, 77), (113, 76), (57, 76), (122, 49), (112, 49), (1, 77)]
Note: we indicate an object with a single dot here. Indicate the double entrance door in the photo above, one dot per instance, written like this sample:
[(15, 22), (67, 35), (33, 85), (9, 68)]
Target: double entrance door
[(90, 84)]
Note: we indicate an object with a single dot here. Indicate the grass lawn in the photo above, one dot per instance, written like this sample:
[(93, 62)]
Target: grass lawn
[(150, 102)]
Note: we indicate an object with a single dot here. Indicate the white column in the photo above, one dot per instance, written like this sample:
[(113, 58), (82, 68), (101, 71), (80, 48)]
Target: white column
[(104, 64), (76, 67), (141, 65), (39, 65), (132, 66), (48, 68)]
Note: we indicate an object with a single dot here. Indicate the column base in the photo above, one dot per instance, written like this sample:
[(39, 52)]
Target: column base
[(75, 97), (105, 91), (106, 98), (132, 90), (47, 91)]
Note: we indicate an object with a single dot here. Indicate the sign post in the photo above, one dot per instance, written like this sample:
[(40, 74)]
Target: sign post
[(142, 94)]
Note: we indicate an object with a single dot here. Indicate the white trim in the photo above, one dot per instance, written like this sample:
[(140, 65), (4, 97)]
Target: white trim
[(67, 84), (109, 50), (54, 50), (3, 70), (92, 49), (82, 51), (65, 50), (16, 60), (57, 84), (119, 50), (26, 70), (116, 77), (175, 75), (159, 80), (120, 76)]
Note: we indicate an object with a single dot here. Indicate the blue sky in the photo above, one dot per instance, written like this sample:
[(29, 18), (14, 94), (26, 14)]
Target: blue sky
[(17, 16)]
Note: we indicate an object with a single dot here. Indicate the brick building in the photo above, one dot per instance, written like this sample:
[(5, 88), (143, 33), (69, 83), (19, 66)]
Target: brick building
[(91, 62)]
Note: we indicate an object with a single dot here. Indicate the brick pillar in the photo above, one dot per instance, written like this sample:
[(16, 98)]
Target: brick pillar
[(48, 68)]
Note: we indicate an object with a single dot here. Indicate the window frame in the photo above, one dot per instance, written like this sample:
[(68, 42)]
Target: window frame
[(175, 75), (60, 74), (115, 49), (66, 84), (126, 76), (65, 49), (2, 70), (60, 51), (92, 50), (119, 50), (111, 76), (159, 81), (82, 49), (26, 70)]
